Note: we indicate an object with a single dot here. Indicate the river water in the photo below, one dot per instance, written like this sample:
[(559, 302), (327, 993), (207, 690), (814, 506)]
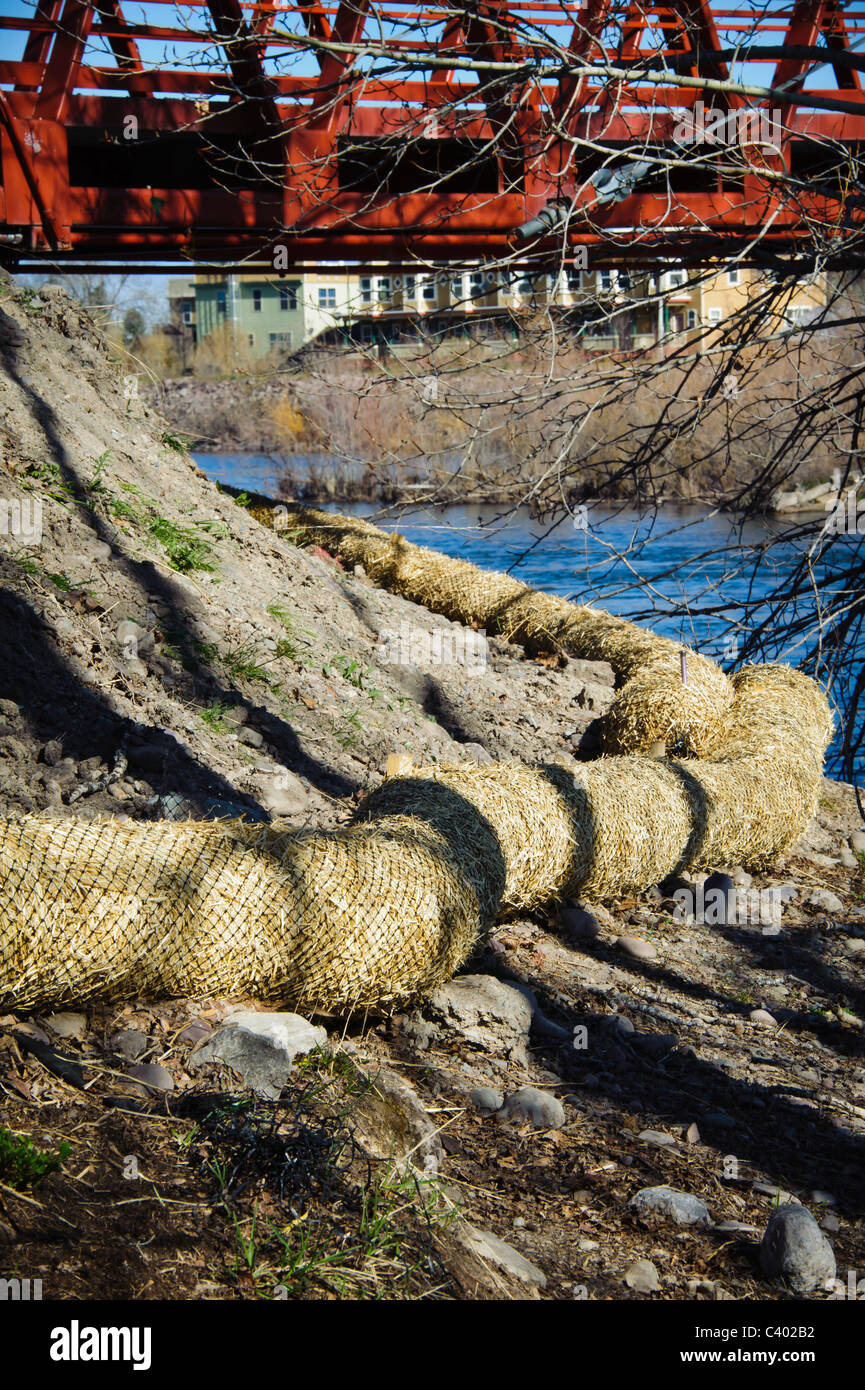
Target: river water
[(698, 576)]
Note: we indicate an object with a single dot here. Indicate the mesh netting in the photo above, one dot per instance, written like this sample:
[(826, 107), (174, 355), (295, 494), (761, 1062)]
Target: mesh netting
[(382, 911), (653, 704)]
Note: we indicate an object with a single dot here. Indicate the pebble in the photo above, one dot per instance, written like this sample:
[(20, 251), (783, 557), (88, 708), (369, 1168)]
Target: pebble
[(67, 1025), (762, 1018), (692, 1134), (194, 1032), (848, 859), (635, 947), (152, 1075), (741, 878), (795, 1249), (857, 841), (656, 1136), (486, 1099), (642, 1277), (578, 922), (620, 1024), (680, 1207), (493, 1250), (854, 946), (540, 1108), (823, 1198), (130, 1043), (822, 899), (657, 1044)]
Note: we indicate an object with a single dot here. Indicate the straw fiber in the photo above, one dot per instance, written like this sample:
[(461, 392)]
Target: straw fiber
[(380, 912)]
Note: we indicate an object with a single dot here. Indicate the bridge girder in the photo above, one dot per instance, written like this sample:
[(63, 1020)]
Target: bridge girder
[(383, 129)]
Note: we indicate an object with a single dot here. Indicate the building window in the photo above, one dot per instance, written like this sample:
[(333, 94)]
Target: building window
[(429, 291), (366, 333), (799, 314), (326, 297), (280, 340), (733, 276), (605, 279), (220, 302), (383, 288), (456, 287), (574, 280), (287, 298), (476, 284), (692, 318), (251, 339), (623, 279), (410, 287), (524, 287), (366, 291), (675, 279), (256, 301), (715, 315), (188, 316)]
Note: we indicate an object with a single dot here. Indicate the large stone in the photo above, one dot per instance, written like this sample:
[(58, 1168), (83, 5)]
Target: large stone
[(489, 1247), (486, 1012), (680, 1207), (823, 900), (67, 1025), (283, 794), (541, 1109), (795, 1249), (261, 1047), (642, 1277)]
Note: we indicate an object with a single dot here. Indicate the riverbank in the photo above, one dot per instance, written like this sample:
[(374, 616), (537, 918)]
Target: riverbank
[(452, 430), (168, 657)]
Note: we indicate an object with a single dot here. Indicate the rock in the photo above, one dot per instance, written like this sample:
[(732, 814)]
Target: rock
[(540, 1108), (485, 1011), (488, 1247), (635, 947), (741, 878), (657, 1137), (578, 921), (130, 1043), (823, 900), (642, 1277), (664, 1201), (692, 1134), (251, 737), (475, 753), (10, 710), (390, 1122), (823, 1198), (795, 1249), (762, 1018), (194, 1032), (854, 946), (486, 1099), (52, 752), (620, 1024), (151, 1075), (283, 794), (849, 860), (856, 842), (261, 1047), (67, 1025), (719, 898)]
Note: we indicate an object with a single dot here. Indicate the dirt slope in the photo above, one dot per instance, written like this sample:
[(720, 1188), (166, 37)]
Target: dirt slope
[(165, 656)]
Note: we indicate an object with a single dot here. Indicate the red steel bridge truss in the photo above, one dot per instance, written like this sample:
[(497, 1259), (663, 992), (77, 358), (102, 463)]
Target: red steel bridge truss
[(351, 129)]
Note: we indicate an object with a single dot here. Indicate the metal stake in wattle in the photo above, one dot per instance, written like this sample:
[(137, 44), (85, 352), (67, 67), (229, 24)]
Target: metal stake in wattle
[(683, 657)]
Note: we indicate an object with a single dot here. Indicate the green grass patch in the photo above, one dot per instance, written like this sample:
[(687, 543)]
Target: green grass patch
[(22, 1164)]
